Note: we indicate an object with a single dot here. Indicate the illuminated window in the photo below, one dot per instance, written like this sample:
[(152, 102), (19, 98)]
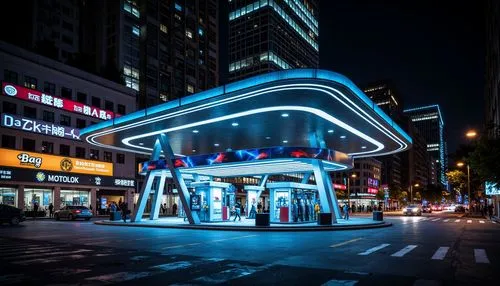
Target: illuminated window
[(178, 7), (190, 88), (163, 28), (200, 31), (136, 31), (30, 82), (189, 34)]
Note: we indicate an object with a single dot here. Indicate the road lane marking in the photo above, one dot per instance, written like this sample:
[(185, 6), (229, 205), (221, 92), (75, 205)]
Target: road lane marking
[(232, 238), (436, 219), (480, 256), (345, 242), (335, 282), (481, 221), (469, 221), (457, 220), (493, 221), (20, 257), (404, 251), (440, 253), (373, 249), (446, 220), (181, 245)]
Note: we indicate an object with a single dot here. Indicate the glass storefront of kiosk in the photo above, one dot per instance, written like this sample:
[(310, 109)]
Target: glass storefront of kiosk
[(293, 202), (211, 200)]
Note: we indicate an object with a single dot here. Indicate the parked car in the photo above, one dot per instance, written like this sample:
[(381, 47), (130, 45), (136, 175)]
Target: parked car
[(427, 209), (412, 210), (73, 212), (11, 214)]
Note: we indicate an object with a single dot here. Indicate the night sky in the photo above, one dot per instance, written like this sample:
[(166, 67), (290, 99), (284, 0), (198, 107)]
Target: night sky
[(433, 52)]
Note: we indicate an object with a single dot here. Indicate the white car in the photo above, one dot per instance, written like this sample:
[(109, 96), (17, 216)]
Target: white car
[(412, 210)]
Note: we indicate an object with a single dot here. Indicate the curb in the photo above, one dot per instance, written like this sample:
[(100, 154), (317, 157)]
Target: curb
[(252, 228)]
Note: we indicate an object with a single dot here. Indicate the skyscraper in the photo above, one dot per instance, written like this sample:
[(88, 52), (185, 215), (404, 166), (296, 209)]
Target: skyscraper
[(429, 122), (270, 35)]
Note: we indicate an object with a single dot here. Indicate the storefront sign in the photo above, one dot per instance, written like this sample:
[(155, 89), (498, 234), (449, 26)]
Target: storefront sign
[(372, 191), (339, 187), (54, 101), (37, 176), (39, 127), (124, 182), (492, 189), (31, 160), (195, 201), (373, 182)]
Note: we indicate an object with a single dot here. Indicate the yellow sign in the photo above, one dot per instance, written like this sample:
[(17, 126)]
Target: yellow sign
[(32, 160)]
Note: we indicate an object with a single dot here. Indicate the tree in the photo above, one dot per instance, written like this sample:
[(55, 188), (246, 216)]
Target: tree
[(457, 179), (485, 159)]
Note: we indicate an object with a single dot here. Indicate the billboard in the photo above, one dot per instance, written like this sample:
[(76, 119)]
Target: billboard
[(39, 161), (32, 95), (38, 127), (491, 189)]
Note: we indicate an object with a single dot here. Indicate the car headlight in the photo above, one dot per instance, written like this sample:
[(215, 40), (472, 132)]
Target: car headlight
[(414, 210)]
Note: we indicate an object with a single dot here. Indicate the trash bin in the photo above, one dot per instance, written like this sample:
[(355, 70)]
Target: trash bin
[(115, 215), (262, 219), (378, 216), (325, 219)]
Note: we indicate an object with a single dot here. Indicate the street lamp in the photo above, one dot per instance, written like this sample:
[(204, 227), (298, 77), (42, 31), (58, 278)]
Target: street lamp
[(411, 191), (353, 175), (461, 164), (471, 134)]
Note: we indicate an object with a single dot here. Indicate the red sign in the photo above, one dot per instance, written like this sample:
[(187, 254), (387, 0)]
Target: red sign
[(54, 101), (339, 187), (372, 191)]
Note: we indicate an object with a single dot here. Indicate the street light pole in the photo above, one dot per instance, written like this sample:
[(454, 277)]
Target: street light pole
[(468, 184), (411, 194), (348, 191)]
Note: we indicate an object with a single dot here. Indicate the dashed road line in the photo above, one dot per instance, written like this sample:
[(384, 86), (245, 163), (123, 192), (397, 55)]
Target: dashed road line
[(373, 249), (480, 256), (440, 253), (404, 251), (345, 242)]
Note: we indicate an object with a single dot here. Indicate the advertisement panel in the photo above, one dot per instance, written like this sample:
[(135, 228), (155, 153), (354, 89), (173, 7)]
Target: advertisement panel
[(39, 176), (32, 95), (491, 189), (32, 160), (339, 187), (39, 127)]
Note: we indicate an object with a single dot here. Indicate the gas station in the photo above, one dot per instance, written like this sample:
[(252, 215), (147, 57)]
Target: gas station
[(303, 121)]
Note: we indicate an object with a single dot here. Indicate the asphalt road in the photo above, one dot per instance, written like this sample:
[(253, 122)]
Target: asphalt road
[(436, 249)]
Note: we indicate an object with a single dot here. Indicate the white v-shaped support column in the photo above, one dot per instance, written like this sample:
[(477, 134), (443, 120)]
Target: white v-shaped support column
[(327, 196), (178, 180), (155, 204)]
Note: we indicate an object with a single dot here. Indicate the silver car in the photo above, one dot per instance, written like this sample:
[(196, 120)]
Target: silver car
[(412, 210), (73, 212)]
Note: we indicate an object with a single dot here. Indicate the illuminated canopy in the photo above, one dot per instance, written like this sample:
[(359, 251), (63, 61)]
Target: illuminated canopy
[(300, 108)]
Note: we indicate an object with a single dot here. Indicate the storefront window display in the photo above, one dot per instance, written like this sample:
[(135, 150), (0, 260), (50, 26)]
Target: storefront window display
[(8, 196), (43, 197), (74, 198), (282, 200), (303, 202), (217, 204)]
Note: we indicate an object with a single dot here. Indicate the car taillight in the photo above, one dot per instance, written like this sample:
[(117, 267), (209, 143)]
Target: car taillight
[(78, 211)]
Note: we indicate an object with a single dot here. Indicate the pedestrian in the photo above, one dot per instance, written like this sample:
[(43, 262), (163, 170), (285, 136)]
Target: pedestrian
[(124, 211), (35, 210), (346, 211), (90, 210), (490, 211), (51, 210), (174, 209), (259, 207), (164, 208), (237, 213)]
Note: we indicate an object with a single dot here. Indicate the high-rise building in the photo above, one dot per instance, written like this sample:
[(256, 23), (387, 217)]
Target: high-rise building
[(387, 98), (429, 122), (270, 35), (492, 64)]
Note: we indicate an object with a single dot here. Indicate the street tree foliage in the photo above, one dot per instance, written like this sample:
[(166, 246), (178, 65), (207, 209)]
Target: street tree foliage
[(457, 179), (485, 159)]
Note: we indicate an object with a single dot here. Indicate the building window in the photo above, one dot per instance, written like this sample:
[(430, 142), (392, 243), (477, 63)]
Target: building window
[(10, 76), (108, 105), (94, 154), (136, 31), (30, 82), (66, 92), (65, 120), (9, 141), (121, 109), (48, 116), (49, 88), (47, 147), (64, 150), (190, 88), (80, 152), (189, 34), (9, 107), (178, 7), (29, 112), (163, 28), (81, 97), (108, 156), (200, 31), (120, 158), (29, 144), (80, 123), (96, 101)]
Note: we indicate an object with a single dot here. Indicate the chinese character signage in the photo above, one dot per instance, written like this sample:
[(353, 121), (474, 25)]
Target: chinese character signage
[(57, 102), (39, 176), (372, 191), (339, 187), (373, 182), (39, 127), (31, 160)]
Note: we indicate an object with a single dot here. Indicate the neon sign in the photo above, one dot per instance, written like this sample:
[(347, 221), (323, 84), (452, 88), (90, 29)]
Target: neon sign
[(39, 127), (372, 191), (339, 187), (54, 101)]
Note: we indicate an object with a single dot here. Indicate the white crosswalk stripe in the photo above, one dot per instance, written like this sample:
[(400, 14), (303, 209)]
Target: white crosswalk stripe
[(373, 249), (446, 220), (457, 220), (436, 219), (469, 221), (440, 253), (480, 256), (493, 221), (404, 251), (481, 221)]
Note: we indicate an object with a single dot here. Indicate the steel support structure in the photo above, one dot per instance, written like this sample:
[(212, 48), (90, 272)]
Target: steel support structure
[(327, 196)]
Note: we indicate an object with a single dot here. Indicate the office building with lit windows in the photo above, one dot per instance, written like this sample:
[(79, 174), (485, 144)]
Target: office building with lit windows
[(429, 122), (270, 35)]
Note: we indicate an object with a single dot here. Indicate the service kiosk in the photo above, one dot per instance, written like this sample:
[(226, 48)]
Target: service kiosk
[(253, 194), (293, 202), (211, 196)]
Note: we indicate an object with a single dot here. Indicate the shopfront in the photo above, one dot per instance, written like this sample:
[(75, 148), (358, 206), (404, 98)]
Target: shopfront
[(293, 202), (41, 196), (8, 196)]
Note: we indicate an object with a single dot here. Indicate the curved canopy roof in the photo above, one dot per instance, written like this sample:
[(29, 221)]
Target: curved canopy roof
[(299, 108)]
